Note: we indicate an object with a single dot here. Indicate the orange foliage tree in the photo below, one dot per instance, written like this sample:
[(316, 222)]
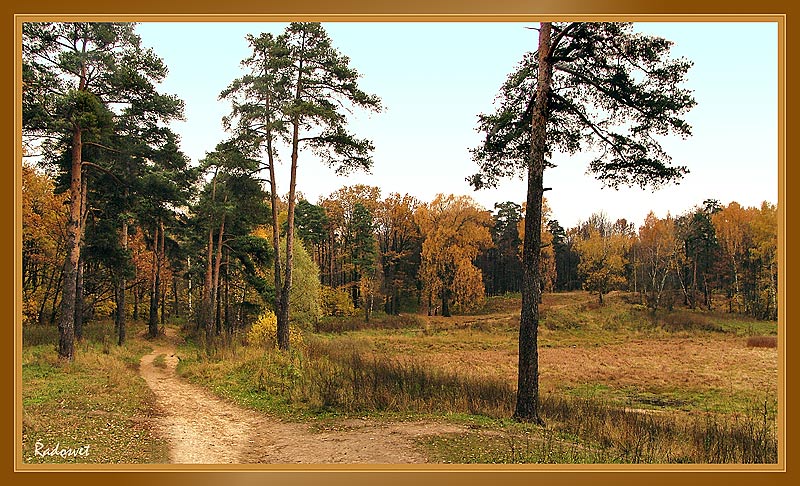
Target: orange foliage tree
[(44, 237)]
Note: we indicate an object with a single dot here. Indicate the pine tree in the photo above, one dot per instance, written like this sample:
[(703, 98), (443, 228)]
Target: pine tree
[(596, 84), (297, 87), (72, 73)]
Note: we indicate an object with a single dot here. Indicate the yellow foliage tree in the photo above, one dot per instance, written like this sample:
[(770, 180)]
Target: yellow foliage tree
[(658, 247), (602, 264), (305, 297), (454, 229), (44, 236)]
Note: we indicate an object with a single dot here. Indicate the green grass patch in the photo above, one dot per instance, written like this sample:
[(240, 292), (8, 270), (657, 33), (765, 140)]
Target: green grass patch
[(532, 446), (160, 361), (98, 401)]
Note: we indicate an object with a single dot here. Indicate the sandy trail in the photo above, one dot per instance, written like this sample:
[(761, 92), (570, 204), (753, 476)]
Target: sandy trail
[(203, 429)]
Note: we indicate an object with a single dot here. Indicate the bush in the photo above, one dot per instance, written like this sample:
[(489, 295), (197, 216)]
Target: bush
[(762, 342), (688, 321), (264, 331), (336, 302)]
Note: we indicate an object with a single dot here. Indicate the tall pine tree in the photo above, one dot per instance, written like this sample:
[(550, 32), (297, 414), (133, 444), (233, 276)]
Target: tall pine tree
[(298, 87), (588, 84)]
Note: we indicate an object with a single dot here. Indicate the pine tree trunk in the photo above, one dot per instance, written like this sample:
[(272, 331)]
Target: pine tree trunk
[(206, 306), (163, 306), (155, 291), (217, 264), (66, 323), (79, 301), (120, 290), (367, 306), (50, 281), (136, 302), (79, 278), (527, 407), (283, 316), (228, 326), (176, 305)]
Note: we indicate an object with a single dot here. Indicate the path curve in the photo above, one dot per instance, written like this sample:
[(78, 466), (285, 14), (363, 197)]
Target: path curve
[(203, 429)]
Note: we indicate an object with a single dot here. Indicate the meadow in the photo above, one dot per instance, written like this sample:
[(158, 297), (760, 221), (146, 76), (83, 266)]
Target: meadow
[(618, 383)]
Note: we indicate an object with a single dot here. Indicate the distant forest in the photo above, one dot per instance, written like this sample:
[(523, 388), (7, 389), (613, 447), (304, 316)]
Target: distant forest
[(361, 252)]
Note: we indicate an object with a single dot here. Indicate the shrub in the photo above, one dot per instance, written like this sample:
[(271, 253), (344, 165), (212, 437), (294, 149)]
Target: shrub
[(336, 302), (762, 342), (264, 332)]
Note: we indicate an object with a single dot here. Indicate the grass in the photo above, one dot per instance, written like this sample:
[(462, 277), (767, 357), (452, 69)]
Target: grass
[(160, 361), (98, 400), (378, 320), (681, 359), (619, 383)]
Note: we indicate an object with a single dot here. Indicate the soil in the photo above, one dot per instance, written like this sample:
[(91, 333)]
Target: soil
[(203, 429)]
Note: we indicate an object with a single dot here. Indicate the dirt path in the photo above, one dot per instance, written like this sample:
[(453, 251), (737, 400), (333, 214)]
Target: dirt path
[(203, 429)]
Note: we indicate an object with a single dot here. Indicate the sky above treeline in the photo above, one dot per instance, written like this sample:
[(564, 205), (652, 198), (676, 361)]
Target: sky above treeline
[(435, 78)]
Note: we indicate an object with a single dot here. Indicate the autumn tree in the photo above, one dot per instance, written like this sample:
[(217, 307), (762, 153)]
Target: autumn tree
[(455, 230), (656, 251), (298, 86), (763, 262), (731, 229), (345, 239), (400, 245), (602, 252), (747, 240), (588, 84), (44, 218)]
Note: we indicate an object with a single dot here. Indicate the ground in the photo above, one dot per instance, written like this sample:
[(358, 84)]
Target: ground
[(204, 429), (690, 372)]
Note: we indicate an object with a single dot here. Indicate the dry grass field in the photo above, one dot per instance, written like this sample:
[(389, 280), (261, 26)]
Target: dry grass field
[(618, 383)]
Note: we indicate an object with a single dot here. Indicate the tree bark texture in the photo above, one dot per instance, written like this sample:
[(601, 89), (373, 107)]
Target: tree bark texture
[(527, 407), (120, 290), (66, 323)]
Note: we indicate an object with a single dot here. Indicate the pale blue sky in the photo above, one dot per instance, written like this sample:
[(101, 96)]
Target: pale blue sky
[(435, 78)]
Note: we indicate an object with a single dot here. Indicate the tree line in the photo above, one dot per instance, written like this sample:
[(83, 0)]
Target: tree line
[(361, 252)]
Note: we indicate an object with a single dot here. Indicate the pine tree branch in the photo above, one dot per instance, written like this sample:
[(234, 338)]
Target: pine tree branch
[(102, 146), (101, 169), (560, 35)]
